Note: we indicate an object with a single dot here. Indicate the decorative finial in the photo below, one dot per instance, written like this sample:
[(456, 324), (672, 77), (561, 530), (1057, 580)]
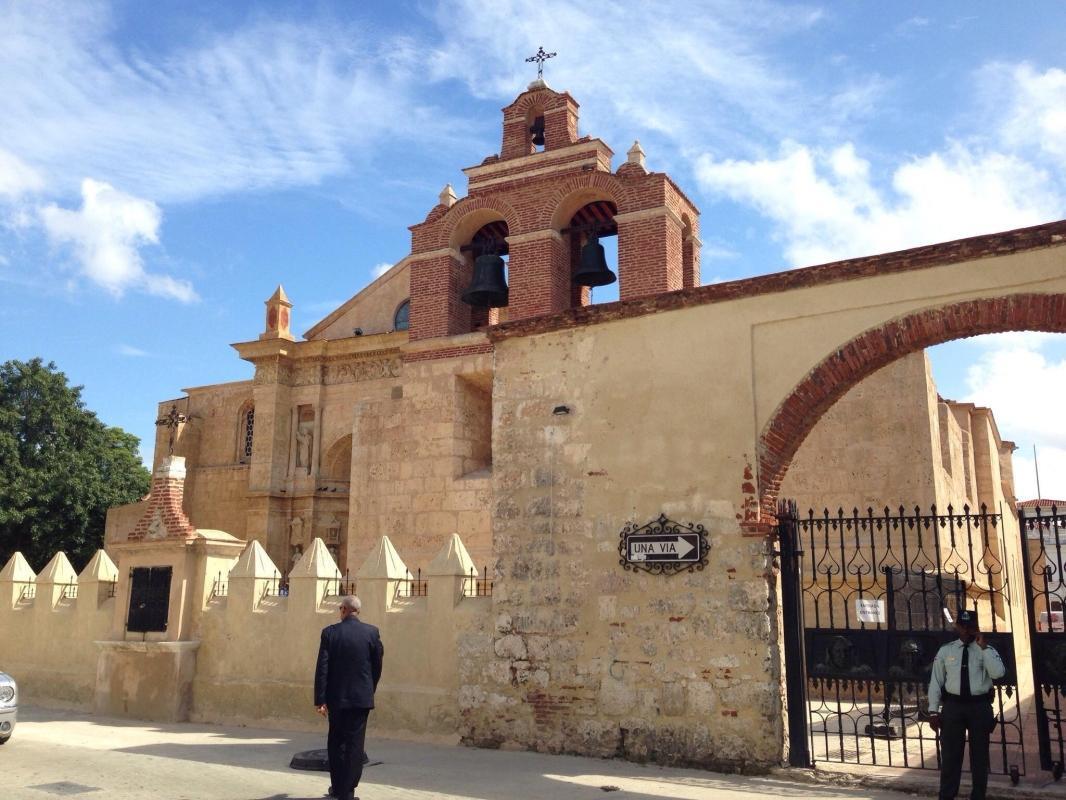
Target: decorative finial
[(172, 419), (540, 57), (278, 315), (447, 196), (636, 154)]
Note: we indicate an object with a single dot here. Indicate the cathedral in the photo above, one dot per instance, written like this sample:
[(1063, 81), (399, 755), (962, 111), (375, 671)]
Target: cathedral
[(612, 472), (378, 421)]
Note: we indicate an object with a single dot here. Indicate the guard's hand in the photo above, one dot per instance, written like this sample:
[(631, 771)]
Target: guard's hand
[(980, 639), (322, 709), (934, 722)]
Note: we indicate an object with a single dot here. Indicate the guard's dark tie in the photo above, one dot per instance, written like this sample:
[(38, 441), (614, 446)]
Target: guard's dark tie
[(964, 675)]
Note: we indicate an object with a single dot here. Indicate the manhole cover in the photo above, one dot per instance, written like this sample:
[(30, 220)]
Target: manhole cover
[(65, 788), (318, 760)]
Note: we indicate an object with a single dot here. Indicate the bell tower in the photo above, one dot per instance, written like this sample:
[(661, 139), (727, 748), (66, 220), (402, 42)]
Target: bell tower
[(543, 203)]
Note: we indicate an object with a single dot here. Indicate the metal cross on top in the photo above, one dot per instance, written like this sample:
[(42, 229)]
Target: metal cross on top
[(172, 420), (540, 57)]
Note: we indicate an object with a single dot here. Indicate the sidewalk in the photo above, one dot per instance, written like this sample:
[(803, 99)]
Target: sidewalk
[(59, 753)]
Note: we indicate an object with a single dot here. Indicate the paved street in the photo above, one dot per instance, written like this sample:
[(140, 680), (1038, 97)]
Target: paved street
[(63, 754)]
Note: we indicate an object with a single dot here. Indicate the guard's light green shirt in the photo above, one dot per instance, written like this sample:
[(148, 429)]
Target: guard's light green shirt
[(985, 667)]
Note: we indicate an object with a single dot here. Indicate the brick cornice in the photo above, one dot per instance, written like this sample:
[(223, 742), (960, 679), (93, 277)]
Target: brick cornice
[(1037, 237), (535, 236), (650, 213)]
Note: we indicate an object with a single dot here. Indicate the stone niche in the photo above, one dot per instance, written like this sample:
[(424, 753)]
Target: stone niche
[(145, 668)]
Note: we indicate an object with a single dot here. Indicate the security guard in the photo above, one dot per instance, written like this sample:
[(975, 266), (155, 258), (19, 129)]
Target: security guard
[(961, 682)]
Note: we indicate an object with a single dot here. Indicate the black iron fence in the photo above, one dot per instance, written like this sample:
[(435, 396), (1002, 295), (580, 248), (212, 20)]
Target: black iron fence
[(475, 585), (1043, 535), (341, 586), (413, 586), (875, 595)]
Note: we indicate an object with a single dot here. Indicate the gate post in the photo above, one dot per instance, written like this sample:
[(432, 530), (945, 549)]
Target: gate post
[(799, 752)]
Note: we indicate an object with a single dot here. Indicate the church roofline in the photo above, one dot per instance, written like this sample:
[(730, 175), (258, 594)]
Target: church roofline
[(1019, 240), (338, 312)]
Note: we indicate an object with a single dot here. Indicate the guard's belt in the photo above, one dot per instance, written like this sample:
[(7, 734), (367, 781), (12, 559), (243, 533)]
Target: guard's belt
[(987, 697)]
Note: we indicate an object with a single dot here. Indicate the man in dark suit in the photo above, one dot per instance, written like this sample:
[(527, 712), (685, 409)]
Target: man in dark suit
[(348, 671)]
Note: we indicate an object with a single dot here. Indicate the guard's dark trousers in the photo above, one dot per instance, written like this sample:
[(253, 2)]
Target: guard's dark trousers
[(960, 720), (347, 737)]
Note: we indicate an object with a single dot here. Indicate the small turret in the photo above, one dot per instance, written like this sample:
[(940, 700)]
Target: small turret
[(278, 316)]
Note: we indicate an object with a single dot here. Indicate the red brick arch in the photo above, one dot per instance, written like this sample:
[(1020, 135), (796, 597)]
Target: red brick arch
[(453, 222), (594, 185), (831, 379)]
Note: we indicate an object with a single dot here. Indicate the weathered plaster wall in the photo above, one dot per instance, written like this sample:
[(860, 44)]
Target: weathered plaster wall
[(666, 416), (873, 448), (587, 657)]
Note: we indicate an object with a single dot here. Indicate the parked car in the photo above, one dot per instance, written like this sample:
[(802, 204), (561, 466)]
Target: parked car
[(9, 701)]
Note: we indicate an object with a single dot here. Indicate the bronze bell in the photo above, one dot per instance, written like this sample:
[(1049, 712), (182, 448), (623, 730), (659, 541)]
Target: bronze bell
[(537, 129), (488, 287), (593, 270)]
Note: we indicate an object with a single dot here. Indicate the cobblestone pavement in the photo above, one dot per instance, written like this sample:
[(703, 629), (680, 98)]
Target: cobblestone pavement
[(67, 754)]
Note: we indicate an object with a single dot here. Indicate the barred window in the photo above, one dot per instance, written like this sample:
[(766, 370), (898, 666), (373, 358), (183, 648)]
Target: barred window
[(244, 446)]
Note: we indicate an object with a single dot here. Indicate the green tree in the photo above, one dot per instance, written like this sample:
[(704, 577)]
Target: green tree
[(61, 468)]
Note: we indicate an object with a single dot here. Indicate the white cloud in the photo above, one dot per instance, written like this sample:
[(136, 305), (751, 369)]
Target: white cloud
[(381, 269), (690, 74), (1024, 388), (1030, 107), (131, 352), (271, 104), (106, 235), (826, 206), (17, 178), (828, 202)]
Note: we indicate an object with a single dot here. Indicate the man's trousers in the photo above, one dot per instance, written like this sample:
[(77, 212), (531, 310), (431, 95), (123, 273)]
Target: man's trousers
[(346, 741), (958, 721)]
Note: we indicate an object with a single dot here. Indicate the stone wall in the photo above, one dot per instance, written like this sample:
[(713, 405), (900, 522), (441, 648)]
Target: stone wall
[(586, 657), (254, 648)]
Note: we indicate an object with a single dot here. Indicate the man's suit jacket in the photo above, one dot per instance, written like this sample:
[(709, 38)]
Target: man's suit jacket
[(349, 665)]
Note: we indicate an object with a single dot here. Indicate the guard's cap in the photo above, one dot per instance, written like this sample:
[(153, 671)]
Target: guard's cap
[(967, 617)]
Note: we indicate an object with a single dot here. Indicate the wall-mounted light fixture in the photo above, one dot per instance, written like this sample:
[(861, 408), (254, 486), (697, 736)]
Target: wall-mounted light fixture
[(560, 411)]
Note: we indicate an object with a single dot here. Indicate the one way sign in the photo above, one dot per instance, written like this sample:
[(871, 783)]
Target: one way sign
[(679, 547), (663, 547)]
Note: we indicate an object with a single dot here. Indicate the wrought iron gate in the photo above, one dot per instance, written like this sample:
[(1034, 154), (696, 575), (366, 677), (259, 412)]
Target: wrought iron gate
[(875, 596), (1044, 551)]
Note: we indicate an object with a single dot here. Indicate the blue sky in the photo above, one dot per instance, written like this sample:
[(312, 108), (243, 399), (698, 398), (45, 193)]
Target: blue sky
[(163, 166)]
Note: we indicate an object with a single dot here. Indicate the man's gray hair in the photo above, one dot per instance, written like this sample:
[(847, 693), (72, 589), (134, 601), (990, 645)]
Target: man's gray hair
[(352, 602)]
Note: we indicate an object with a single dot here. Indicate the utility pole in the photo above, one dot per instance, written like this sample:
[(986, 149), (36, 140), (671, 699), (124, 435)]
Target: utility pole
[(1036, 466)]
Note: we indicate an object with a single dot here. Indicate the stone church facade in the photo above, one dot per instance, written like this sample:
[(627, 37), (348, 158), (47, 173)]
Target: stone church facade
[(411, 431)]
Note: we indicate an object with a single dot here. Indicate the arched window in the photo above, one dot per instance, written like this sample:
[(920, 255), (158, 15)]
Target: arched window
[(402, 319), (245, 430)]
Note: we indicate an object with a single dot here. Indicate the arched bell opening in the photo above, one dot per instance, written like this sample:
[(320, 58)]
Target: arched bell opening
[(485, 257), (592, 241), (535, 128)]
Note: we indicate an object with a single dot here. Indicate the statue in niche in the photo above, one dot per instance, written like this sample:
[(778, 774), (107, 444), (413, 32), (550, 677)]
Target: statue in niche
[(304, 442), (333, 529), (297, 552), (335, 552), (296, 532)]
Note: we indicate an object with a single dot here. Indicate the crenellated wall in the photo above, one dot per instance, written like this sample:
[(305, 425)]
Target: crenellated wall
[(255, 645)]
